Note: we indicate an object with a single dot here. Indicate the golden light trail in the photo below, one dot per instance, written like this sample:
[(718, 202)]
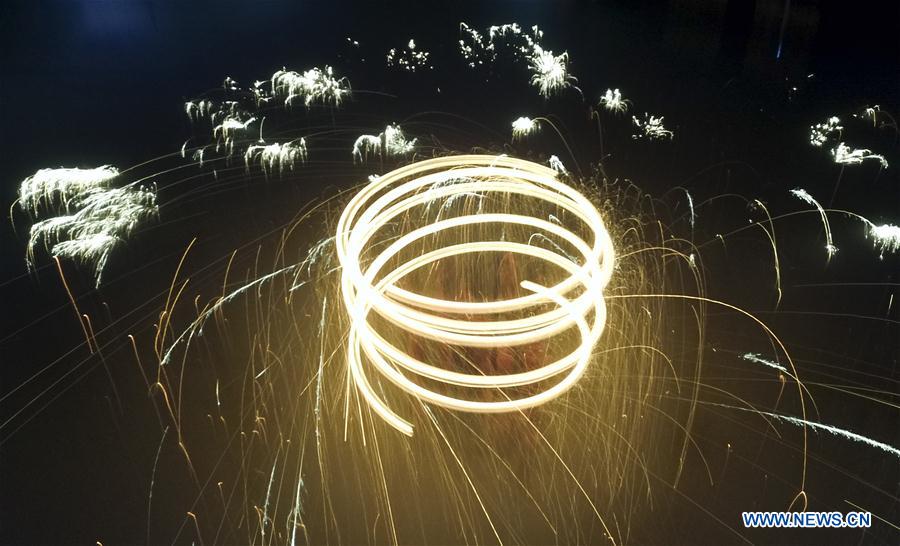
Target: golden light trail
[(368, 288)]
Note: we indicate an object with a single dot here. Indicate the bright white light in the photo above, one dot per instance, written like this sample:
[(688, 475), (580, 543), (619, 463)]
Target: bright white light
[(97, 217), (612, 100), (557, 165), (843, 155), (389, 196), (277, 156), (821, 133), (651, 127), (390, 143), (804, 196), (316, 85), (410, 59), (550, 73), (886, 237), (523, 127), (64, 185)]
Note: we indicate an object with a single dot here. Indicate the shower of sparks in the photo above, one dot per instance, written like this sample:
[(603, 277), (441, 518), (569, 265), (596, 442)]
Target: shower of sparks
[(390, 143), (874, 112), (843, 433), (804, 196), (315, 86), (821, 427), (651, 127), (410, 59), (613, 102), (758, 359), (843, 155), (473, 48), (886, 237), (557, 165), (523, 127), (47, 186), (821, 133), (198, 109), (511, 36), (276, 156), (96, 218), (550, 73), (231, 127), (364, 216), (198, 156)]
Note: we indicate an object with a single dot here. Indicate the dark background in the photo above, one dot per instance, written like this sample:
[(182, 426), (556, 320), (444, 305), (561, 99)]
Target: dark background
[(85, 83)]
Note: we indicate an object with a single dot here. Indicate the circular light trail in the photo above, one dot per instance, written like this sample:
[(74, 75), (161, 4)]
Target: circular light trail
[(576, 302)]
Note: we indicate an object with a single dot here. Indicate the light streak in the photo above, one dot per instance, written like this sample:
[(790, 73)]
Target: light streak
[(379, 203), (836, 431), (804, 196), (758, 359)]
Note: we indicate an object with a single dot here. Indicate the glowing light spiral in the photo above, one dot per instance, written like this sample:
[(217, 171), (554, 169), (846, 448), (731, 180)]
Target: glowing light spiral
[(368, 288)]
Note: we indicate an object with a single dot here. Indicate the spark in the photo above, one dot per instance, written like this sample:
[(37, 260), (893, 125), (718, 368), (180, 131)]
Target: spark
[(391, 142), (612, 100), (758, 359), (821, 133), (843, 433), (196, 110), (198, 155), (229, 128), (557, 165), (364, 216), (472, 46), (523, 127), (690, 200), (521, 43), (277, 156), (99, 218), (872, 112), (844, 155), (886, 237), (803, 423), (47, 185), (316, 85), (804, 196), (651, 127), (550, 73), (409, 59)]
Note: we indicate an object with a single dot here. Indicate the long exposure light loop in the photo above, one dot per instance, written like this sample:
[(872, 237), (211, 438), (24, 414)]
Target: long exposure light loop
[(379, 204)]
